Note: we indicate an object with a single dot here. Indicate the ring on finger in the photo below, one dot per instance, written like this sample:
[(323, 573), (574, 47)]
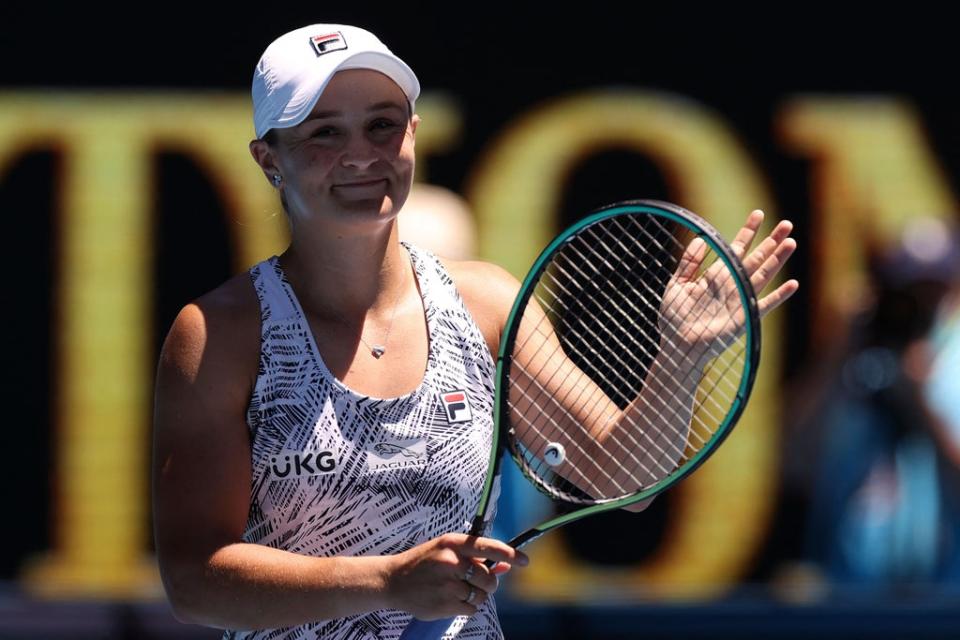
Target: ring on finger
[(470, 596), (469, 573)]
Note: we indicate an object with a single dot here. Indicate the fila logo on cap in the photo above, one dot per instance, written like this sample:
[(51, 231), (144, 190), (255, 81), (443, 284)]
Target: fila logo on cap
[(329, 42), (457, 406)]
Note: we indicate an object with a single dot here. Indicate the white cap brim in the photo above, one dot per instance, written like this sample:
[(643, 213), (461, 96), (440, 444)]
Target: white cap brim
[(286, 90)]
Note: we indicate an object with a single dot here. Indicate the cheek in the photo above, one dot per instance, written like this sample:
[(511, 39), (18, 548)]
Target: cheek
[(308, 171), (309, 154), (319, 158), (406, 159)]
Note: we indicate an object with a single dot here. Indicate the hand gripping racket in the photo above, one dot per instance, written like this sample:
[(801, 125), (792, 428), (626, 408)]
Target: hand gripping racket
[(626, 360)]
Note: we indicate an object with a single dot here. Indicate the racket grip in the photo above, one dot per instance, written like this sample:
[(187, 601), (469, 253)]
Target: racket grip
[(424, 630)]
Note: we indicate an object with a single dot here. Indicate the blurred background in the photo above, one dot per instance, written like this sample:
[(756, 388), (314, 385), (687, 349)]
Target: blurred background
[(834, 508)]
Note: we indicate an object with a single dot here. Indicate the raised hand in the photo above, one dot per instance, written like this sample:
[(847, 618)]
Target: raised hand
[(700, 310)]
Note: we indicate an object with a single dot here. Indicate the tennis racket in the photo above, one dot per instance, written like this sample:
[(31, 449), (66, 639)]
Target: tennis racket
[(627, 359)]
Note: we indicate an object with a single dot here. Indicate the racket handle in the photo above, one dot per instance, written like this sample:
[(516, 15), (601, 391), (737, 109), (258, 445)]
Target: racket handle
[(434, 629), (423, 630)]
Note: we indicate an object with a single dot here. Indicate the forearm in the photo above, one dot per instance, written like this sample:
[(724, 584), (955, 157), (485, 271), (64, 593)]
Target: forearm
[(249, 586), (610, 452), (664, 408), (649, 437)]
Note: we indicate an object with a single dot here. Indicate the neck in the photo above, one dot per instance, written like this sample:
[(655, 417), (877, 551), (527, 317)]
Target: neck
[(345, 276)]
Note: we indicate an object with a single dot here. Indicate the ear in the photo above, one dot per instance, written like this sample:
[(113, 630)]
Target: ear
[(265, 157), (414, 122)]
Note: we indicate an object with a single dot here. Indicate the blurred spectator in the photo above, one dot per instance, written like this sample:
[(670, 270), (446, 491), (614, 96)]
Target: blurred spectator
[(885, 508), (440, 221)]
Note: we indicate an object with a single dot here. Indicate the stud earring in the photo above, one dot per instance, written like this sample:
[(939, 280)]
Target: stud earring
[(277, 179)]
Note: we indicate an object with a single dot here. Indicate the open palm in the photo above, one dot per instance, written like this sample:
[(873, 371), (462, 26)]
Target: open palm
[(701, 309)]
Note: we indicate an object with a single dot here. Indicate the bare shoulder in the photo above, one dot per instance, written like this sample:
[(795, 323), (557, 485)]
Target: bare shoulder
[(217, 333), (488, 291)]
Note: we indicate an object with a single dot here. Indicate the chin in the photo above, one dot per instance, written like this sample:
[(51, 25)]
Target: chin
[(390, 207), (380, 209)]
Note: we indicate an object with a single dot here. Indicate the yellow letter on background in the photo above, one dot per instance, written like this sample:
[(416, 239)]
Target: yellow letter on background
[(872, 172), (105, 295), (104, 299)]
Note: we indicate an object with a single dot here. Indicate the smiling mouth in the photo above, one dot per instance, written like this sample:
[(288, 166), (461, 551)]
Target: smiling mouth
[(375, 188), (361, 184)]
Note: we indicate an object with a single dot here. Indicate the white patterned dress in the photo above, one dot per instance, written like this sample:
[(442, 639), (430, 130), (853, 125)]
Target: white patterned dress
[(340, 473)]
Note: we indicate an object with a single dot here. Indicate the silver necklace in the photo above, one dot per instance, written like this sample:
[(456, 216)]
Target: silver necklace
[(378, 350)]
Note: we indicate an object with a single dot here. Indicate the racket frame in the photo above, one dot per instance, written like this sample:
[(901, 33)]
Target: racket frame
[(420, 630), (701, 228)]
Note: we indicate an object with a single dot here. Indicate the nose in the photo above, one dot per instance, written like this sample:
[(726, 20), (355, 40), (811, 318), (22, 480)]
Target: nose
[(358, 154)]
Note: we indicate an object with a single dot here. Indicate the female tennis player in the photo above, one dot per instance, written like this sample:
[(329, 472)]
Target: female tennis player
[(323, 422)]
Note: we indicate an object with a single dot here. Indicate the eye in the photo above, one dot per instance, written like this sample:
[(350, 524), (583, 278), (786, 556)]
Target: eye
[(324, 132), (384, 125)]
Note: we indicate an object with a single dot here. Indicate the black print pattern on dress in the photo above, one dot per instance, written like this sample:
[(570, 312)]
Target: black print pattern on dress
[(339, 473)]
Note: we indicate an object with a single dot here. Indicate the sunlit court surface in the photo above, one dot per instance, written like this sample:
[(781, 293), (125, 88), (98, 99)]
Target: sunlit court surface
[(833, 508)]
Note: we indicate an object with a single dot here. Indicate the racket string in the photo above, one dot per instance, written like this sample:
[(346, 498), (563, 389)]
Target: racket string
[(559, 430), (624, 348), (548, 394), (716, 348), (558, 404), (564, 433), (617, 349), (672, 361)]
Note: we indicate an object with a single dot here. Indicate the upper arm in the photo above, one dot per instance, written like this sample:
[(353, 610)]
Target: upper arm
[(201, 461), (570, 408), (488, 291)]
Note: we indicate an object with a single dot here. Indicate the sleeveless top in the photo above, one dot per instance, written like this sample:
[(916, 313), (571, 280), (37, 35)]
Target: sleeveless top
[(336, 472)]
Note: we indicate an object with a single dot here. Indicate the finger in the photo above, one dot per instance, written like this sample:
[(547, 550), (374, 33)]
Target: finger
[(472, 596), (777, 297), (691, 259), (460, 608), (744, 238), (478, 575), (766, 272), (770, 244), (470, 567), (493, 550)]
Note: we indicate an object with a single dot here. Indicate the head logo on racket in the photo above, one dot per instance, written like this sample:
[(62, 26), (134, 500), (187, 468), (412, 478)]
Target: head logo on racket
[(457, 406), (554, 454)]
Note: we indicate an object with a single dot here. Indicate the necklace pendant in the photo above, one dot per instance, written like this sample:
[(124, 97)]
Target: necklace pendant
[(377, 351)]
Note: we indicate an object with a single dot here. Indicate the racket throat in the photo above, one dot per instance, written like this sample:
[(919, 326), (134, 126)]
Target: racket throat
[(478, 526), (526, 537)]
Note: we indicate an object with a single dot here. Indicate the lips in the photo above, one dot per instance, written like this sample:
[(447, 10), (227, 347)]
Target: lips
[(366, 188)]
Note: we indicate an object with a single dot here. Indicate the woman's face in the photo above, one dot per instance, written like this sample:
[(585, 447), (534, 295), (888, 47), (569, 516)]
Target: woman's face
[(353, 157)]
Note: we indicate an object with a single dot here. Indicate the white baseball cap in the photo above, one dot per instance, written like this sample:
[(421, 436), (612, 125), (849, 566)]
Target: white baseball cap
[(295, 69)]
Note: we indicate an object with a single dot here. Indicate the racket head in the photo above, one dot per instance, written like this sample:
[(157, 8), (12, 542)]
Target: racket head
[(600, 284)]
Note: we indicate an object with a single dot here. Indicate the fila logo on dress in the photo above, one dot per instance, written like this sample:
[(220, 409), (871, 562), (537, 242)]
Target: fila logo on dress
[(457, 405)]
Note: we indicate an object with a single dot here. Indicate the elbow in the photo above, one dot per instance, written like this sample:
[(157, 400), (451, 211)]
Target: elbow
[(181, 598), (185, 594), (185, 609)]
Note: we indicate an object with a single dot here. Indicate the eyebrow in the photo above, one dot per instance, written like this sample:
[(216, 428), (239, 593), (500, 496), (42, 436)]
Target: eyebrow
[(380, 106)]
